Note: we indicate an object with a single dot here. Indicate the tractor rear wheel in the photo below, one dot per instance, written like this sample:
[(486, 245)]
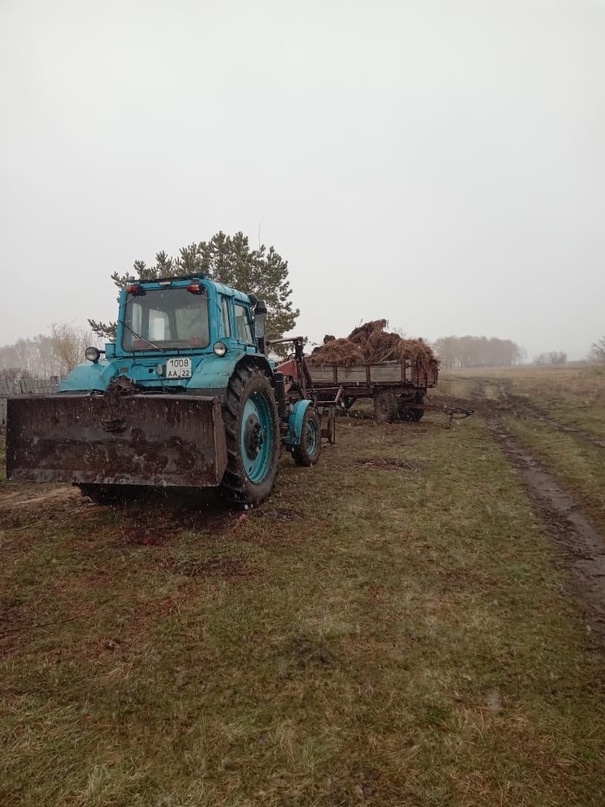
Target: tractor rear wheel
[(252, 432), (307, 453), (386, 408)]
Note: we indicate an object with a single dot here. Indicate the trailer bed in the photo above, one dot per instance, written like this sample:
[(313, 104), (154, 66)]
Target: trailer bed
[(389, 373), (397, 387)]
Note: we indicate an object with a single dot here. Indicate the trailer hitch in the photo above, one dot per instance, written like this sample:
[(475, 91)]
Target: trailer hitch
[(456, 413), (451, 412), (292, 377)]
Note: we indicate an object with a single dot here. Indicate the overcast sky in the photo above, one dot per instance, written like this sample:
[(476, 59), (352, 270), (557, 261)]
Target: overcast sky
[(440, 163)]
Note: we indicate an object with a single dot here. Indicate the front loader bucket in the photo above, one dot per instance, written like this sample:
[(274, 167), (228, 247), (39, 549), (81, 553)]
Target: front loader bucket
[(160, 440)]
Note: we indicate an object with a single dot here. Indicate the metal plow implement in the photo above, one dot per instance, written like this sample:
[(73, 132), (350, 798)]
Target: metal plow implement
[(160, 440)]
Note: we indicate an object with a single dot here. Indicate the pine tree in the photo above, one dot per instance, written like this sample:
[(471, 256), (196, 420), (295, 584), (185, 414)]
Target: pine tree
[(229, 260)]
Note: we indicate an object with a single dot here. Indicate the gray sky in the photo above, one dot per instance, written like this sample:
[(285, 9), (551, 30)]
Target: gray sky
[(440, 163)]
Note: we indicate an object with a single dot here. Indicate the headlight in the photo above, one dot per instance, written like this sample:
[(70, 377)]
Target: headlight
[(92, 354), (220, 348)]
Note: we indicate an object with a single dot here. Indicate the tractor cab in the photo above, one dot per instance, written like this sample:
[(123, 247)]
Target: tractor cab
[(170, 330), (184, 314)]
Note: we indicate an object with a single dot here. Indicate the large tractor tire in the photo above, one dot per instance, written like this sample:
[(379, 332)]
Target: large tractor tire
[(386, 408), (307, 453), (106, 494), (252, 431)]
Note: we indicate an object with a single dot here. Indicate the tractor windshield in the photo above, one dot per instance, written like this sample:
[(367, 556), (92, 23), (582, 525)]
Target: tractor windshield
[(165, 318)]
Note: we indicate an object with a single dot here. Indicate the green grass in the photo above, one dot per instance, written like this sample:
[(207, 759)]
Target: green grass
[(454, 385), (573, 395), (562, 424), (577, 465), (395, 637)]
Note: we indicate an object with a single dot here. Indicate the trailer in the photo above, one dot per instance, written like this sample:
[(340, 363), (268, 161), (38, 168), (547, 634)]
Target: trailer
[(398, 388)]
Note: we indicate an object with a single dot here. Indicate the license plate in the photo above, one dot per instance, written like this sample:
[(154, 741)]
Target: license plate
[(178, 368)]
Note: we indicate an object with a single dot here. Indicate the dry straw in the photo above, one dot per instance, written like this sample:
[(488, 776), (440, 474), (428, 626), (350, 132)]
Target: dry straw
[(371, 344)]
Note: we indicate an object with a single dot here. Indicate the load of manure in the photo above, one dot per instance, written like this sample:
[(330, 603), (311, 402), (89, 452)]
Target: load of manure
[(370, 343)]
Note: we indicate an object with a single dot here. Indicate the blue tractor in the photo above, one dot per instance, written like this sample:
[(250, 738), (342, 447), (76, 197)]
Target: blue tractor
[(185, 397)]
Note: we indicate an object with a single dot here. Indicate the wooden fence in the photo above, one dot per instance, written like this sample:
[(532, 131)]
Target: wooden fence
[(29, 386)]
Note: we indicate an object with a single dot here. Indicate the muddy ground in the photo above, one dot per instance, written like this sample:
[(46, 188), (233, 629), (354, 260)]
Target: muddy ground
[(581, 547)]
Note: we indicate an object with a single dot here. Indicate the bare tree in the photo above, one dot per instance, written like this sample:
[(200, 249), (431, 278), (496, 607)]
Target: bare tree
[(597, 352), (555, 358), (32, 357), (477, 351), (68, 344)]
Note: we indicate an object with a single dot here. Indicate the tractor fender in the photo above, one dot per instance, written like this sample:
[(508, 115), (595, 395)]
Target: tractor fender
[(90, 376), (214, 372), (295, 423)]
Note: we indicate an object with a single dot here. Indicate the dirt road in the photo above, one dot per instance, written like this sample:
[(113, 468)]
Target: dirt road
[(581, 547)]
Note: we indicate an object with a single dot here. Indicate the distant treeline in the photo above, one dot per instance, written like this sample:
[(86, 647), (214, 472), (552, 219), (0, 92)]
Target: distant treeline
[(477, 351), (34, 358), (555, 358), (45, 356)]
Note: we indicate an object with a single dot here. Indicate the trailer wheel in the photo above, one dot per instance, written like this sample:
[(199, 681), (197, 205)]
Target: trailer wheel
[(414, 412), (252, 432), (386, 408), (331, 426), (307, 453), (412, 415)]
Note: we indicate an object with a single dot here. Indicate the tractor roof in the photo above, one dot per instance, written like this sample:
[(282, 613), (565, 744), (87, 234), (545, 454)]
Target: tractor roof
[(220, 287)]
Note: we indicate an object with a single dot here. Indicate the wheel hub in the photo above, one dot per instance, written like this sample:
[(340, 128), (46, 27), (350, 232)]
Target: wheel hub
[(253, 436)]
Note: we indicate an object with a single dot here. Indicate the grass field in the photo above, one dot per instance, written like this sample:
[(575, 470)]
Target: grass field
[(394, 627), (558, 414), (574, 395)]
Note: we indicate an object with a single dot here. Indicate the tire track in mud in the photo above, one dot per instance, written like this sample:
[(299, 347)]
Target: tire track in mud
[(520, 407), (530, 411), (583, 548)]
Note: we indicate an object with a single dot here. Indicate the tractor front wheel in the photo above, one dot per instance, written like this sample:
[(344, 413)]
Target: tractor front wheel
[(307, 453), (252, 432)]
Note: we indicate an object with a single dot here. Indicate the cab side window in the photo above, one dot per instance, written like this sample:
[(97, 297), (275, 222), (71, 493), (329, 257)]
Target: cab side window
[(226, 317), (242, 323)]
